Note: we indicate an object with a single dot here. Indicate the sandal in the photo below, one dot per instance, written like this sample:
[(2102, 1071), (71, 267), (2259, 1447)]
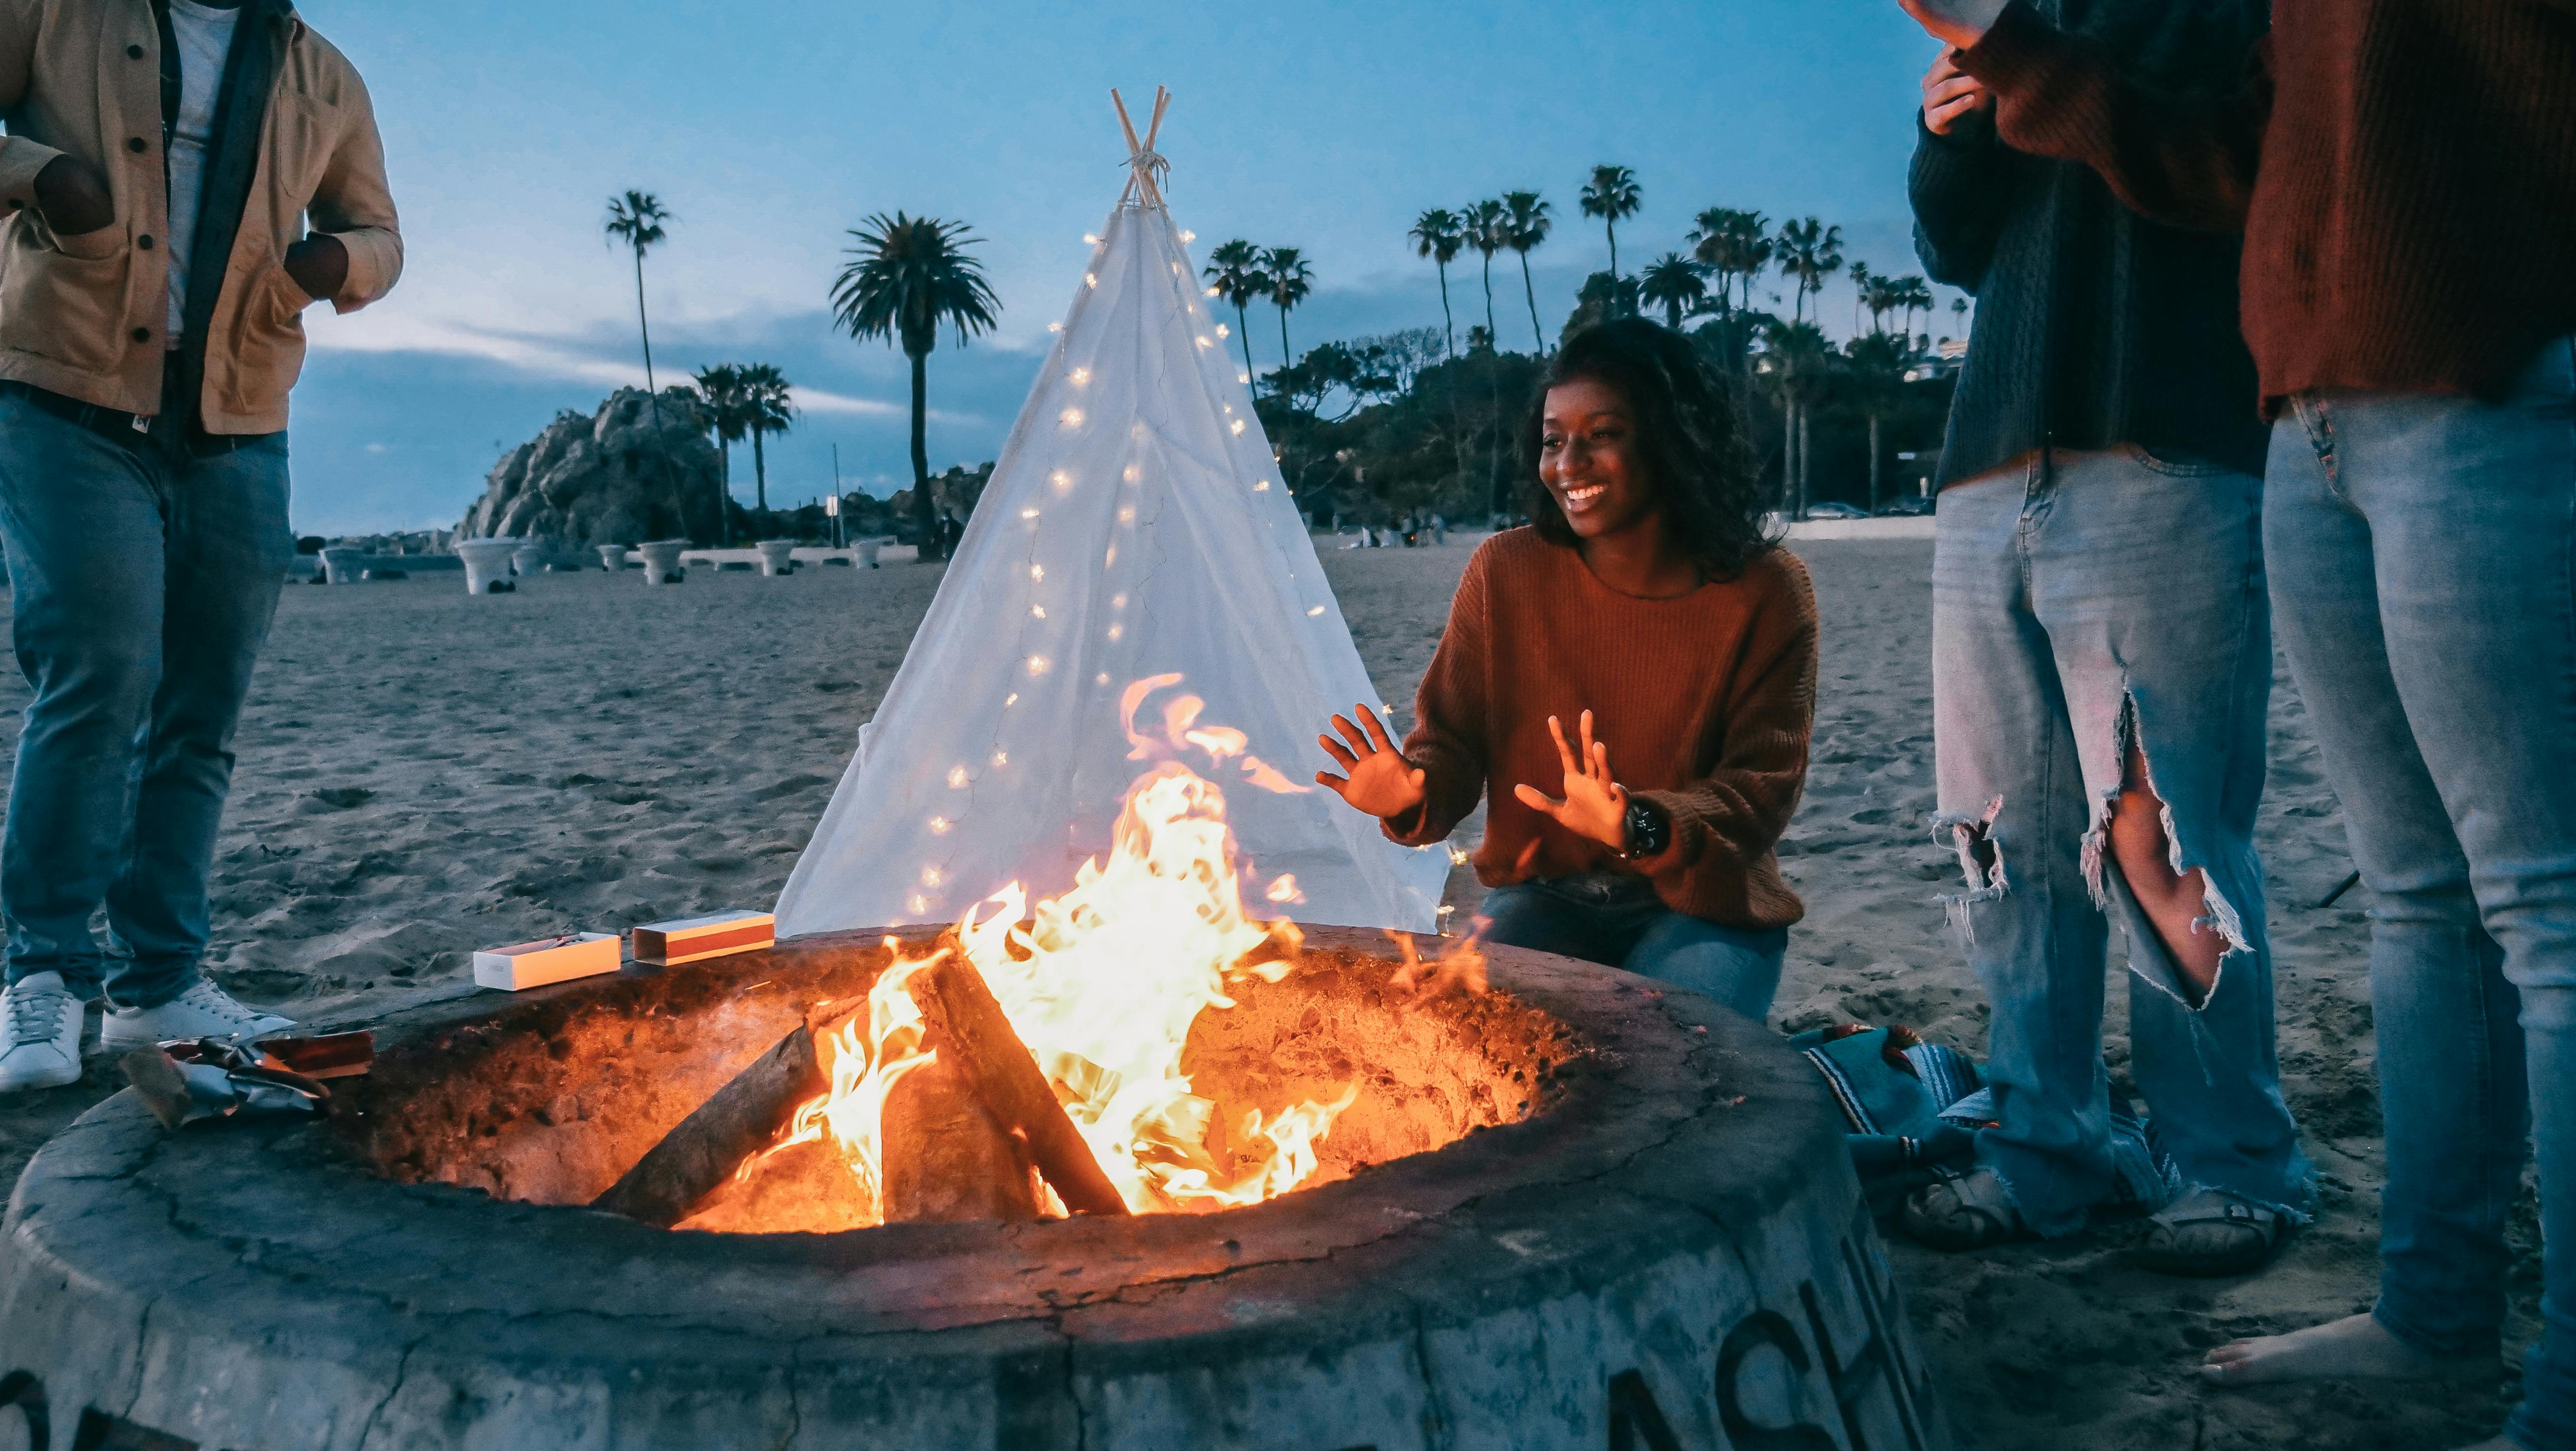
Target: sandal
[(1960, 1211), (2210, 1232)]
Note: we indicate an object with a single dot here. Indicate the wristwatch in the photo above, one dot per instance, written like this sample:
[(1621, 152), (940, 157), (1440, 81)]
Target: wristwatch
[(1649, 832)]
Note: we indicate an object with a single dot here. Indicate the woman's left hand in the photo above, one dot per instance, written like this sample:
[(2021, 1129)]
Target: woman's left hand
[(1595, 806)]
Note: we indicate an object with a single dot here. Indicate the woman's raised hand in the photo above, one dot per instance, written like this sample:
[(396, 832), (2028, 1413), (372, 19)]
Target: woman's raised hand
[(1380, 781), (1595, 806)]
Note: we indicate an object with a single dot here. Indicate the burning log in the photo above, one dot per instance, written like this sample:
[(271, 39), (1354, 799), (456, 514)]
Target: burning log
[(743, 1118), (968, 1028), (945, 1157)]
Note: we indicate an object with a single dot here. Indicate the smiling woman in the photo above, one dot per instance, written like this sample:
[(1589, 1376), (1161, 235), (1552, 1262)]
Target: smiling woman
[(1645, 612)]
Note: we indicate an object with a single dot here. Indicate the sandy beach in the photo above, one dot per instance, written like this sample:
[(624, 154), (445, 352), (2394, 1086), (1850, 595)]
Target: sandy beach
[(422, 772)]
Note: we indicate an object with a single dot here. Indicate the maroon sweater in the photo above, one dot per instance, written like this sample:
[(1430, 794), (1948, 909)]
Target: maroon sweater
[(1705, 700), (2404, 172)]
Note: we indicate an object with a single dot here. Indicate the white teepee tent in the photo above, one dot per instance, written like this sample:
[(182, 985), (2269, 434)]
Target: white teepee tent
[(1135, 527)]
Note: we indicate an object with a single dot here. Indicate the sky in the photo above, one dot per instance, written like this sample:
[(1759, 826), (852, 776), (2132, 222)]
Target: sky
[(771, 129)]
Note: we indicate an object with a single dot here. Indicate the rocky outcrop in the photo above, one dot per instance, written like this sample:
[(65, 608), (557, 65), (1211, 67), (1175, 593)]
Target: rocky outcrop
[(635, 470)]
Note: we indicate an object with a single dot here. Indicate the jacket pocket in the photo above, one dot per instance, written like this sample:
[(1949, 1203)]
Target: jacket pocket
[(2180, 468), (63, 306), (268, 351)]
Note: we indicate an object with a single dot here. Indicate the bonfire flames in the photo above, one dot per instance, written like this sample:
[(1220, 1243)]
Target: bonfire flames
[(1101, 986)]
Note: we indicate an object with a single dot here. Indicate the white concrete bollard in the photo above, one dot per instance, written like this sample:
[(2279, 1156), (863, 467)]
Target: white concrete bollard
[(662, 561), (868, 551), (776, 557), (612, 557), (531, 559), (487, 564), (341, 564)]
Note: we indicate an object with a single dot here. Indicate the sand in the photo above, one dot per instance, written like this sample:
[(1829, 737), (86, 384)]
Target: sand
[(422, 773)]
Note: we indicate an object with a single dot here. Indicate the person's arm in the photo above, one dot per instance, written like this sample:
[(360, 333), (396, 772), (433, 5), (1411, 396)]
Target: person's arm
[(352, 212), (1737, 812), (2187, 161), (1447, 743), (1961, 179), (21, 158)]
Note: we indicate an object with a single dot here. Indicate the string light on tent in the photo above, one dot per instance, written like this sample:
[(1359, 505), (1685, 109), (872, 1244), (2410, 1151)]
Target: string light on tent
[(1133, 474), (939, 825), (1223, 331), (1236, 426), (1060, 479), (1089, 240), (930, 876), (1028, 513), (1037, 573), (1189, 236), (1262, 487), (1038, 610), (1011, 699), (1243, 377), (1037, 665), (1091, 279), (1003, 758), (1317, 610), (957, 777), (1070, 418), (1117, 630), (1118, 602), (1081, 376), (1127, 515), (1203, 342)]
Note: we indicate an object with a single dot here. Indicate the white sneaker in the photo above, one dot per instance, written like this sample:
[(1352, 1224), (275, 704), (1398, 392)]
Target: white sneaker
[(203, 1011), (40, 1033)]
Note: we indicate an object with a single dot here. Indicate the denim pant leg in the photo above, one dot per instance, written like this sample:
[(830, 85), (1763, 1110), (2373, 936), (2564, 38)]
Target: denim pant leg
[(1737, 967), (1578, 918), (81, 519), (2012, 799), (2148, 577), (2471, 508), (229, 546)]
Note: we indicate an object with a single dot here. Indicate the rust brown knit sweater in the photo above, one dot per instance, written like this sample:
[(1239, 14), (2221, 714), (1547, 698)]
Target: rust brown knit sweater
[(1705, 701), (2404, 172)]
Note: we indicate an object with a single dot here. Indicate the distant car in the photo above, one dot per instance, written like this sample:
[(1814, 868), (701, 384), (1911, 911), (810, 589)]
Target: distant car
[(1912, 506), (1835, 509)]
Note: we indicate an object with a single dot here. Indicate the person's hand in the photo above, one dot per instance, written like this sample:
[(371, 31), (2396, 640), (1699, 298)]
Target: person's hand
[(1957, 23), (1380, 781), (73, 199), (1595, 806), (1950, 94), (319, 264)]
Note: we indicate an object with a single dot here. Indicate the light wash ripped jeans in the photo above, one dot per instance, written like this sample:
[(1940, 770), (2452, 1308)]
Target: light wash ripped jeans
[(2080, 604), (2422, 549)]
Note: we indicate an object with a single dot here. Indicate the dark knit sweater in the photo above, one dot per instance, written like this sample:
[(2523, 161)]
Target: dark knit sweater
[(2094, 326), (2404, 172), (1705, 701)]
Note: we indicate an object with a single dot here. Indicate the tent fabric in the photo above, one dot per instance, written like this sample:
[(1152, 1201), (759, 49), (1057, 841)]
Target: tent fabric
[(1135, 527)]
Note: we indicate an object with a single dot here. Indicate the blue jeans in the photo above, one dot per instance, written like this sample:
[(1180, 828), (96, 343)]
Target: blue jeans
[(2421, 551), (2106, 599), (142, 589), (1618, 921)]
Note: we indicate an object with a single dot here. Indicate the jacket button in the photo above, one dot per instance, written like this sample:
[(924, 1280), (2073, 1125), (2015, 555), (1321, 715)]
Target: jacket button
[(143, 335), (144, 241), (134, 52), (134, 143)]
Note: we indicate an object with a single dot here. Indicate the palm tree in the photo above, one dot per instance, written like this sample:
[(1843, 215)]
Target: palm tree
[(1672, 282), (1234, 275), (1612, 194), (1959, 310), (767, 407), (1861, 280), (1735, 244), (1489, 231), (720, 393), (1525, 224), (636, 219), (1877, 364), (1796, 361), (906, 277), (1291, 282), (1911, 294), (1809, 252), (1440, 234)]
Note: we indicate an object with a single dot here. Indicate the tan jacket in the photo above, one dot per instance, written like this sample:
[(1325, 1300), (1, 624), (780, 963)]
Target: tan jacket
[(86, 316)]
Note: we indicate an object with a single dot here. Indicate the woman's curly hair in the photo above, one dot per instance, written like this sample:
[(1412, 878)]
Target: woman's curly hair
[(1688, 439)]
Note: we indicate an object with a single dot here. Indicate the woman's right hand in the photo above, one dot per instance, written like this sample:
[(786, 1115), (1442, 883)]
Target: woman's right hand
[(1950, 95), (1379, 780)]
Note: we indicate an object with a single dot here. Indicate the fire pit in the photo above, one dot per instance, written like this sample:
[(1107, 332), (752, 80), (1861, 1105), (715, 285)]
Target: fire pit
[(1641, 1226)]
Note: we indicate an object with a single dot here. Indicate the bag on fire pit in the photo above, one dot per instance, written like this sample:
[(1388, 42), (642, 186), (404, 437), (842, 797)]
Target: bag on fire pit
[(1915, 1107)]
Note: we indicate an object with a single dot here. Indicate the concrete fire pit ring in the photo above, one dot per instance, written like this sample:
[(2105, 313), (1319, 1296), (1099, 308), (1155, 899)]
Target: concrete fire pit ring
[(662, 561), (1673, 1252)]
